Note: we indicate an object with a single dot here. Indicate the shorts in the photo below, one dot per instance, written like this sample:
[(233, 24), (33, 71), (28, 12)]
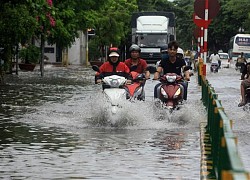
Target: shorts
[(245, 83)]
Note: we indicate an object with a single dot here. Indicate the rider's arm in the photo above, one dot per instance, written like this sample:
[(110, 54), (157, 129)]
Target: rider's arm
[(99, 75), (147, 74), (145, 65), (157, 72), (186, 74), (185, 71), (127, 72)]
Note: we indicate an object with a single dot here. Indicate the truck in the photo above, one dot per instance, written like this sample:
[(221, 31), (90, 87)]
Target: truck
[(151, 31)]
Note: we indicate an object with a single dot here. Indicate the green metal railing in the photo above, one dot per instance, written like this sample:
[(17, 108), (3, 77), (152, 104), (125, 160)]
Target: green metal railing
[(226, 161)]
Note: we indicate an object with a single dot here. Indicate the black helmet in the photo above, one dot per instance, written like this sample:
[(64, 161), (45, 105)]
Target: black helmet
[(164, 48), (134, 47)]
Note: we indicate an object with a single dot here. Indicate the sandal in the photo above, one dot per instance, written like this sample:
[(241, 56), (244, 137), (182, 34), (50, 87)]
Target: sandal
[(241, 104)]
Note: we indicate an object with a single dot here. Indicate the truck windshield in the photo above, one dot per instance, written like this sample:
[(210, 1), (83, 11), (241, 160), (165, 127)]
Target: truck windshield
[(152, 40)]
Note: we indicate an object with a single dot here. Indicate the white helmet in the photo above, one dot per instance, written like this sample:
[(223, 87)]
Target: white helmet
[(180, 51)]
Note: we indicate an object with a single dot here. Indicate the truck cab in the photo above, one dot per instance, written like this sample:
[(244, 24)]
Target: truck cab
[(151, 31)]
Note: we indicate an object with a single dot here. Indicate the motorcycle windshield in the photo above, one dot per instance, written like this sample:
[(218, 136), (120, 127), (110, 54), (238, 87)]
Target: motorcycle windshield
[(115, 95)]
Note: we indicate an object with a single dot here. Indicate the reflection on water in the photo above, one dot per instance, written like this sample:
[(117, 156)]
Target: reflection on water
[(55, 128)]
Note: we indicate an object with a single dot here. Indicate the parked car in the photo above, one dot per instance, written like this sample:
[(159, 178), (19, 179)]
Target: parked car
[(225, 60)]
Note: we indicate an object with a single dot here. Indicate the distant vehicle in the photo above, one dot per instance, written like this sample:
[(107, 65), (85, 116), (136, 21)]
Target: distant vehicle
[(151, 31), (225, 60), (237, 44)]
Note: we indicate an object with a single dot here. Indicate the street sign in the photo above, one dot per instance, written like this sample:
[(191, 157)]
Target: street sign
[(213, 8), (201, 22)]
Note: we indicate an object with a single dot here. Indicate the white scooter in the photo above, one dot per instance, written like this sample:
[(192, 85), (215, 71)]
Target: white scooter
[(113, 90)]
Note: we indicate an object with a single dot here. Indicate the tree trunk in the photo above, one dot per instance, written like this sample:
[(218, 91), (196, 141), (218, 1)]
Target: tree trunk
[(42, 55)]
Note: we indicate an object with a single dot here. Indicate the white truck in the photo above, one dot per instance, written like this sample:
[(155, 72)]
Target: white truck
[(151, 31)]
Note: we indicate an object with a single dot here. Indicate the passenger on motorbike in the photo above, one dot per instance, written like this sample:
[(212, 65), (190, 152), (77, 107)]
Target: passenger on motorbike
[(135, 63), (113, 67), (173, 63), (244, 85)]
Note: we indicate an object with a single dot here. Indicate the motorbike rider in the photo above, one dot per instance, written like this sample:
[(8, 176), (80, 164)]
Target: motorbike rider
[(135, 63), (244, 85), (215, 60), (173, 63), (164, 55), (189, 57), (241, 61), (113, 67)]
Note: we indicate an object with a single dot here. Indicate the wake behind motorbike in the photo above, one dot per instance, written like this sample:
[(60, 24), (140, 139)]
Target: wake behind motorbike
[(170, 92)]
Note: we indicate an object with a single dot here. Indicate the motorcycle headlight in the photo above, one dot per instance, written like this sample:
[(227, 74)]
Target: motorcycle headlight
[(171, 78), (163, 92), (114, 83), (177, 93)]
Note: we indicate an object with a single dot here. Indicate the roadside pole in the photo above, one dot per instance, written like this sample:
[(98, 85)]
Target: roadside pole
[(205, 33), (87, 48)]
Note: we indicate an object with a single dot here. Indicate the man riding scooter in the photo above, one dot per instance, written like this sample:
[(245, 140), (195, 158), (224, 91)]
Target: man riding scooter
[(135, 63), (139, 73), (215, 62), (173, 63)]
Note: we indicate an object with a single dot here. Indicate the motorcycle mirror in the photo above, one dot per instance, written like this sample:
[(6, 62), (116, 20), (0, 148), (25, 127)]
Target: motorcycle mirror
[(96, 68), (151, 69)]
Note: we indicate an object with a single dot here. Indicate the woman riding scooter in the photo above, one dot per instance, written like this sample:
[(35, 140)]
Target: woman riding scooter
[(113, 67)]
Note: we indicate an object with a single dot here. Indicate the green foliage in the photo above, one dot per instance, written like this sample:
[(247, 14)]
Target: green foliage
[(30, 54), (15, 26)]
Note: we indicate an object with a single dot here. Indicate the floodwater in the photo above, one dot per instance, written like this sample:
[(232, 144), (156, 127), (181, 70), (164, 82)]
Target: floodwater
[(55, 127), (227, 85)]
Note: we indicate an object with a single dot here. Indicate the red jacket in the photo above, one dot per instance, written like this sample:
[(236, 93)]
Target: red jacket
[(107, 69), (141, 66)]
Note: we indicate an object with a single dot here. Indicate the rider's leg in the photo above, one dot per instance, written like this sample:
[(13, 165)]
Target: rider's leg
[(185, 86), (244, 84), (156, 94), (242, 92)]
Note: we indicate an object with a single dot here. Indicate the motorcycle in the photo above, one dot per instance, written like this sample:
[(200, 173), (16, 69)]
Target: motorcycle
[(135, 90), (170, 92), (214, 67), (240, 66), (113, 90)]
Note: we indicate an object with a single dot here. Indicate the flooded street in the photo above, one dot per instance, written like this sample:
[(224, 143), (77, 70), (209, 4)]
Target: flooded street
[(227, 85), (55, 127)]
